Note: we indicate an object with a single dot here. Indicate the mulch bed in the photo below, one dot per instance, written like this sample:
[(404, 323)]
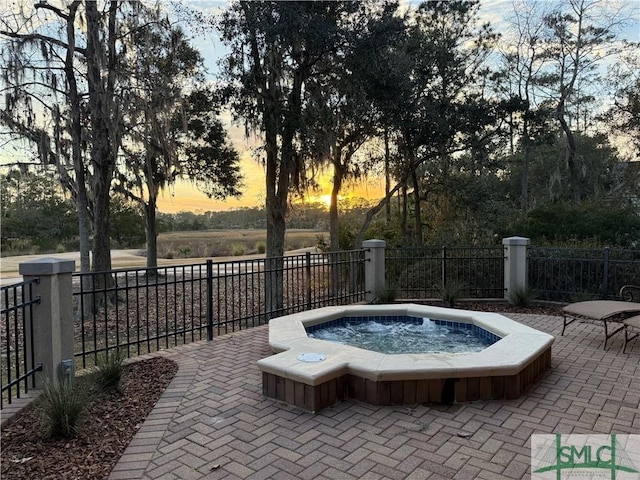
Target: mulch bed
[(502, 307), (110, 423)]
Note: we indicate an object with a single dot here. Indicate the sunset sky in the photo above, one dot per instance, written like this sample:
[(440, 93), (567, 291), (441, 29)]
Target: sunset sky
[(183, 196)]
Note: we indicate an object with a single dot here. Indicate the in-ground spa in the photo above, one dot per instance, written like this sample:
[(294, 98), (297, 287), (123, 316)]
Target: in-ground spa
[(313, 374)]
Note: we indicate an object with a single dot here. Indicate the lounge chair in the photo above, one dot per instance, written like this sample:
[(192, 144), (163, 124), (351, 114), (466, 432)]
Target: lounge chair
[(605, 311), (630, 293), (629, 324)]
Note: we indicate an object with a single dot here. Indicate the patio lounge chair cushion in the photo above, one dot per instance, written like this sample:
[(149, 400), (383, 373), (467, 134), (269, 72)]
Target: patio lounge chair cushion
[(601, 311)]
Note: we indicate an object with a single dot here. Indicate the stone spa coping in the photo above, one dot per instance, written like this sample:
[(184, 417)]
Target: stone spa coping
[(519, 346)]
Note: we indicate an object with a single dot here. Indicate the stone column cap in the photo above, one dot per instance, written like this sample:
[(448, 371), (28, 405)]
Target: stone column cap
[(47, 266), (374, 244), (516, 241)]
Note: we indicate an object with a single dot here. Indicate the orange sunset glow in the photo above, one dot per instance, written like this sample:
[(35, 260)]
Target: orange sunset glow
[(185, 197)]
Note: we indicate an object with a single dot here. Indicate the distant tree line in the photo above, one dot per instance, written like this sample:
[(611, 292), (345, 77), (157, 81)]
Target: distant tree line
[(37, 217)]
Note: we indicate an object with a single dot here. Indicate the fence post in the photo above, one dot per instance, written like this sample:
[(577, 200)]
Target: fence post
[(374, 268), (209, 299), (52, 317), (605, 273), (307, 269), (444, 267), (515, 263)]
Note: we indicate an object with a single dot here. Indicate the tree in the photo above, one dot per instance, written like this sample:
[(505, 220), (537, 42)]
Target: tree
[(275, 47), (105, 118), (45, 66), (339, 116), (127, 223), (29, 115), (623, 117), (549, 173), (205, 155), (35, 214), (55, 71), (437, 104), (576, 38), (170, 132), (522, 59)]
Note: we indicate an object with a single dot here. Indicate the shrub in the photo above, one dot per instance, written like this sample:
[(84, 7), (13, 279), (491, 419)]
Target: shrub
[(109, 372), (420, 278), (521, 296), (450, 293), (220, 250), (261, 247), (237, 250), (321, 243), (384, 295), (594, 221), (63, 406)]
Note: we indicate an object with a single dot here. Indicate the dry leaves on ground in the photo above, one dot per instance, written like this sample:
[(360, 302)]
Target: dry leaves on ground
[(111, 422)]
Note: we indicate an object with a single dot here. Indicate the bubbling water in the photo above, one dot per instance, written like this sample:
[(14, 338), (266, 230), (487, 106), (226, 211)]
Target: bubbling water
[(403, 337)]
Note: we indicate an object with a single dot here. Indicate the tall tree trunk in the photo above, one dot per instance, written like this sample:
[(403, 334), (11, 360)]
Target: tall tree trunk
[(151, 205), (334, 234), (417, 210), (277, 197), (152, 235), (82, 200), (274, 263), (334, 227), (526, 160), (100, 145), (571, 152), (275, 210), (404, 221), (387, 175)]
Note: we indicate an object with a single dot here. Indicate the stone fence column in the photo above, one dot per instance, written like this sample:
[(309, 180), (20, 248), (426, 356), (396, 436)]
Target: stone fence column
[(52, 317), (515, 264), (374, 268)]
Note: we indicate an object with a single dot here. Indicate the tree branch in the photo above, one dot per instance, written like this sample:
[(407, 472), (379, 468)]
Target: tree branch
[(32, 37)]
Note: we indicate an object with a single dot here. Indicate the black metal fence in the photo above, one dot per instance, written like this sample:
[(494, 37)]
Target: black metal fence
[(428, 272), (141, 310), (17, 365), (570, 274)]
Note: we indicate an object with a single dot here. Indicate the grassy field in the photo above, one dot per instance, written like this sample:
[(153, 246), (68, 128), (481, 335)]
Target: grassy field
[(174, 247), (225, 243)]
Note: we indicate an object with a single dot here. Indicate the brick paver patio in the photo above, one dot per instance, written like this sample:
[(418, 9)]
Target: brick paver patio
[(214, 423)]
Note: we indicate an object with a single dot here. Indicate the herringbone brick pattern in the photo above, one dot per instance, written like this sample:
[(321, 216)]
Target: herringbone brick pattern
[(214, 423)]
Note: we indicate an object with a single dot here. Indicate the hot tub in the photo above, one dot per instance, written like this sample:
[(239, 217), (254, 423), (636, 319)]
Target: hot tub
[(314, 374)]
